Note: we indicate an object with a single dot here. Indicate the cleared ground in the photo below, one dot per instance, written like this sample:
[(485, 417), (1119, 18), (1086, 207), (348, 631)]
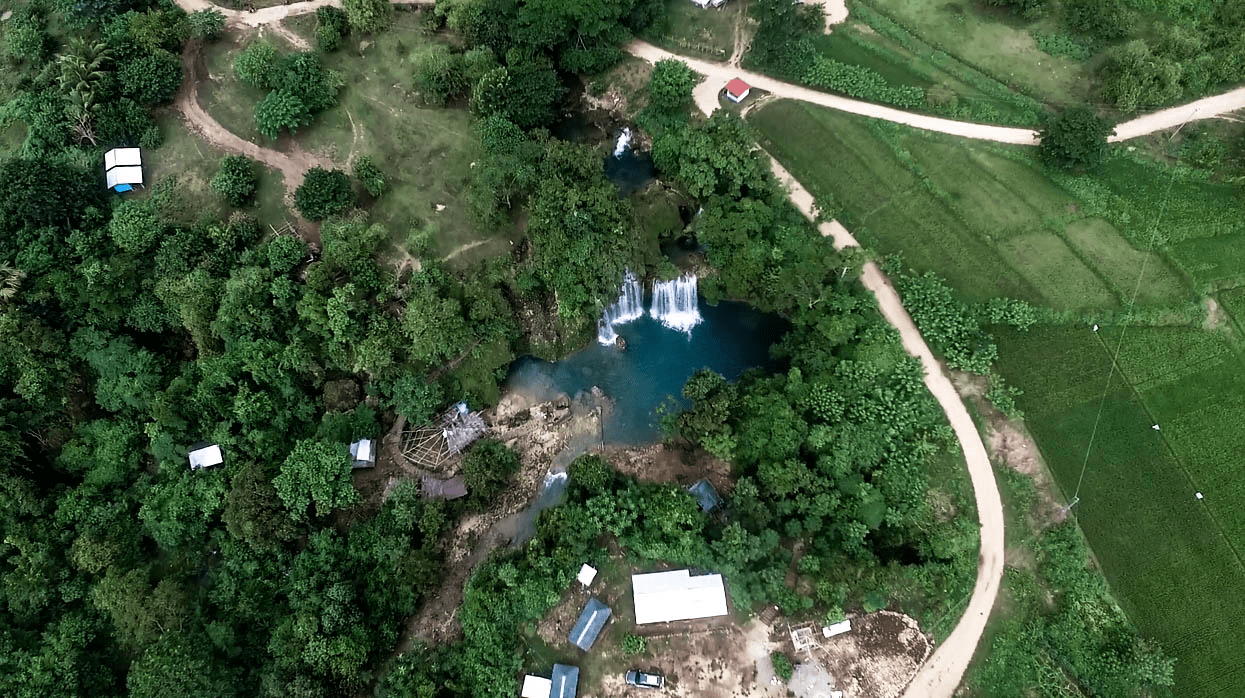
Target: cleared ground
[(704, 33), (425, 153), (985, 217), (1172, 560)]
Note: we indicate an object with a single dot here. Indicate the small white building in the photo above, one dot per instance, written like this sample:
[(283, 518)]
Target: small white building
[(837, 628), (737, 90), (676, 595), (363, 454), (206, 457), (123, 169), (587, 573), (708, 3), (535, 687)]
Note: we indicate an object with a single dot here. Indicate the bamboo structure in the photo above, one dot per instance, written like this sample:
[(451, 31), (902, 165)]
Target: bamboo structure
[(435, 447)]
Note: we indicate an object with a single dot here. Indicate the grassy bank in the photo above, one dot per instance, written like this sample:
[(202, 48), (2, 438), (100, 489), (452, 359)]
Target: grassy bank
[(425, 153), (985, 217)]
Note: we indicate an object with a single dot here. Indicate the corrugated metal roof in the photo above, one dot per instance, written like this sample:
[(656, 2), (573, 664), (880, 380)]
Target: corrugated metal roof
[(206, 457), (676, 595), (589, 625), (706, 495), (565, 681)]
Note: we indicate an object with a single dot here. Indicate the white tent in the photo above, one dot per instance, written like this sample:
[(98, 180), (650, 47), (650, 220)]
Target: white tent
[(536, 687), (206, 457), (587, 573), (362, 454), (123, 166), (676, 595)]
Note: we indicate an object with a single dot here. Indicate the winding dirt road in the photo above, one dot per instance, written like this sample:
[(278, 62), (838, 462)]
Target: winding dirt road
[(939, 676), (291, 165)]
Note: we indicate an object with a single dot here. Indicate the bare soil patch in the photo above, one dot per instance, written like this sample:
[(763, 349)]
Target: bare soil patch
[(681, 464), (877, 658)]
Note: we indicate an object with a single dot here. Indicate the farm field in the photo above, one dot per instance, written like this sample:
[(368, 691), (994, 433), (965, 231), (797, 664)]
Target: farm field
[(426, 153), (985, 217), (1172, 561)]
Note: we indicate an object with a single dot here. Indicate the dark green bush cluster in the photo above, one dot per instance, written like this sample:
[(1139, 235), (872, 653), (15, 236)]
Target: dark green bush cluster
[(236, 180), (332, 27), (323, 193), (300, 86)]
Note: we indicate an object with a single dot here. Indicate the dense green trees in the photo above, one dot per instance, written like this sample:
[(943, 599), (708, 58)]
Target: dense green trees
[(368, 16), (323, 193), (300, 85), (236, 180), (487, 469), (1075, 139)]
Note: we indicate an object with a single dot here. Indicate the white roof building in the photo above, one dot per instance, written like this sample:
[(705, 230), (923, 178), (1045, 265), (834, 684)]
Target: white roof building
[(536, 687), (206, 457), (587, 573), (123, 167), (676, 595)]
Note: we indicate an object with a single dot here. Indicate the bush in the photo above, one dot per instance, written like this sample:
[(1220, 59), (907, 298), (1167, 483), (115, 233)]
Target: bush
[(323, 193), (487, 469), (331, 27), (368, 16), (369, 175), (236, 180), (122, 122), (207, 24), (284, 253), (782, 665), (280, 110), (25, 38), (634, 644), (257, 65), (439, 75), (1075, 139), (152, 78)]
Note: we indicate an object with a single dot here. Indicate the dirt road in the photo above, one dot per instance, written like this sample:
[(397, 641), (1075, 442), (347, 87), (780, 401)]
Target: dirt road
[(1206, 108), (291, 165), (940, 675), (267, 15), (718, 74)]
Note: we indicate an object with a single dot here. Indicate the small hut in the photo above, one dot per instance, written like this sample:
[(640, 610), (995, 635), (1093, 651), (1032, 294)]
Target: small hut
[(363, 454), (737, 90), (206, 456)]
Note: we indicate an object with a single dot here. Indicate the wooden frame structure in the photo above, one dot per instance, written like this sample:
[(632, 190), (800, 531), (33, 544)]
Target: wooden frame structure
[(433, 446)]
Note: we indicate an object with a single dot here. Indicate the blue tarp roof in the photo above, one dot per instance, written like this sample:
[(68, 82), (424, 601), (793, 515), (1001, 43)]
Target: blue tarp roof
[(589, 625), (705, 494), (564, 682)]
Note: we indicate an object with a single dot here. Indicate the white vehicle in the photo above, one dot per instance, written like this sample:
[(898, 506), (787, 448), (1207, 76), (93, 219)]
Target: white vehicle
[(643, 680)]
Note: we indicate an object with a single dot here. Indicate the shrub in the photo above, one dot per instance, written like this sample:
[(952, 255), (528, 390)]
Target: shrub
[(284, 253), (207, 24), (236, 180), (1075, 139), (304, 76), (323, 193), (368, 16), (25, 38), (369, 175), (280, 110), (782, 665), (634, 644), (257, 65), (487, 469), (134, 227), (439, 75), (151, 78), (331, 27)]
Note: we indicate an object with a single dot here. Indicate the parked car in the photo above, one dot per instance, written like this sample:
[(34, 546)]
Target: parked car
[(643, 680)]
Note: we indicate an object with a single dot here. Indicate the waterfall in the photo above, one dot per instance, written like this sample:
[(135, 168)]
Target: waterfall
[(624, 142), (628, 307), (675, 303)]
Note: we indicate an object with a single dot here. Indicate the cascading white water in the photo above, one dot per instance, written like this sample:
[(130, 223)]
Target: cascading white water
[(628, 307), (624, 142), (675, 303)]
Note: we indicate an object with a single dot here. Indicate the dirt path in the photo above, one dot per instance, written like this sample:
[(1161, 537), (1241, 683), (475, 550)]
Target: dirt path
[(1207, 108), (268, 15), (836, 12), (718, 74), (940, 675), (291, 165)]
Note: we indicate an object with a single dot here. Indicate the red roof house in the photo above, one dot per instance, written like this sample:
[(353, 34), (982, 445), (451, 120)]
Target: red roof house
[(737, 90)]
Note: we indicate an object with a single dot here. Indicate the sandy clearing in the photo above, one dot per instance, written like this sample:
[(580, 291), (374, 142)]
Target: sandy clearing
[(1206, 108), (836, 12)]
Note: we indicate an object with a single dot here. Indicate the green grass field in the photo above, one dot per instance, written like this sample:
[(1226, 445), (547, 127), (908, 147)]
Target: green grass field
[(985, 217), (995, 42), (704, 33), (1172, 561), (426, 153)]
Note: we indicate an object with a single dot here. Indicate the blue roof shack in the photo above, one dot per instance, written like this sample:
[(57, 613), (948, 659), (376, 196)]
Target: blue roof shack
[(589, 625), (564, 682), (706, 496)]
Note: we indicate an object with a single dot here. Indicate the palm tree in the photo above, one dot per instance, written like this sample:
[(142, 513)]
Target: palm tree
[(80, 69), (10, 282)]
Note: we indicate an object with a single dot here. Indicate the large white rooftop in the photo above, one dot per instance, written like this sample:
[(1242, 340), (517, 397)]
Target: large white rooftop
[(676, 595), (536, 687)]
